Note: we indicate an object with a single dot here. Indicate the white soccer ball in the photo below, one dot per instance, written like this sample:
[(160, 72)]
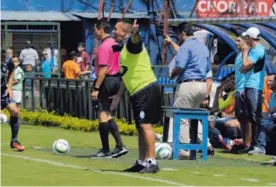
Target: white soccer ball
[(61, 146), (3, 118), (163, 151)]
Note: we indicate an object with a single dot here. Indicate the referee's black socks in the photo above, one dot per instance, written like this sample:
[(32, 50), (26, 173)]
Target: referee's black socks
[(104, 130), (113, 127)]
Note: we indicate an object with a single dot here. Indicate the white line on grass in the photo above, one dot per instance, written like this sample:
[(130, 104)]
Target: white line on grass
[(271, 184), (95, 170), (169, 169), (250, 179), (218, 175)]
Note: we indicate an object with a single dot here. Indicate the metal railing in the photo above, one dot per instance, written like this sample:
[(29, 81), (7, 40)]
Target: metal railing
[(73, 97)]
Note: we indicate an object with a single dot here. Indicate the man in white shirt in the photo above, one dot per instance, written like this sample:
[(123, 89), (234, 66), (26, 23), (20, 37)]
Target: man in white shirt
[(28, 56)]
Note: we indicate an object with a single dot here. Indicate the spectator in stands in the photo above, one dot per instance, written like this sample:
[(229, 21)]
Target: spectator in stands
[(9, 55), (17, 85), (71, 68), (225, 125), (52, 55), (254, 69), (268, 123), (46, 67), (84, 57), (29, 56), (266, 95), (192, 63), (29, 74)]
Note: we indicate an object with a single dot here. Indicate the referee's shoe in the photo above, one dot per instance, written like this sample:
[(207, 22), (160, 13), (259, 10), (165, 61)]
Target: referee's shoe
[(117, 152)]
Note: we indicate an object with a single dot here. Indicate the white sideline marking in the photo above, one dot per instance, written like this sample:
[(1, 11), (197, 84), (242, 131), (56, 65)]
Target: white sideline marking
[(196, 173), (95, 170), (250, 179), (36, 147), (218, 175), (169, 169), (271, 184)]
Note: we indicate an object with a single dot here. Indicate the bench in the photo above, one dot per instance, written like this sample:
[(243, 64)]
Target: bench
[(194, 115)]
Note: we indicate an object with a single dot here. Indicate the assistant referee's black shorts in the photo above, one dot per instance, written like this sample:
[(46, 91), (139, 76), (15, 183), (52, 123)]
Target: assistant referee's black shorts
[(109, 87), (146, 104)]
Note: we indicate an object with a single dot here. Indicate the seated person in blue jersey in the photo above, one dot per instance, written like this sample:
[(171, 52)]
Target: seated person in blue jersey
[(267, 131)]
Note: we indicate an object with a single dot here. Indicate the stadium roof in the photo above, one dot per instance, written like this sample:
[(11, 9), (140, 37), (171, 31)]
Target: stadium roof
[(62, 16), (223, 20), (115, 15), (37, 16)]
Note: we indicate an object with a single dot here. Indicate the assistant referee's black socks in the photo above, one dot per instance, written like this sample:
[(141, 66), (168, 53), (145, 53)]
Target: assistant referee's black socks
[(104, 130), (113, 127)]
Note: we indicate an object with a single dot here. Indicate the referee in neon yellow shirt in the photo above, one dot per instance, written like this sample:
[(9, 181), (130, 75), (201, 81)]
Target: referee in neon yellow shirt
[(140, 81)]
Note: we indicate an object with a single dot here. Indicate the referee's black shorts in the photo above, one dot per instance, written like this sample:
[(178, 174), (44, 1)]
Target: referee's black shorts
[(109, 87), (146, 104)]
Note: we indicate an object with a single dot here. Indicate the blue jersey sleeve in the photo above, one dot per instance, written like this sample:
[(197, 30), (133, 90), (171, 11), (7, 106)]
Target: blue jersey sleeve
[(256, 54)]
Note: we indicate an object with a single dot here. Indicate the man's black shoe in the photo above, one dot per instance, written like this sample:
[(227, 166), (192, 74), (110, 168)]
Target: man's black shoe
[(152, 168), (136, 168)]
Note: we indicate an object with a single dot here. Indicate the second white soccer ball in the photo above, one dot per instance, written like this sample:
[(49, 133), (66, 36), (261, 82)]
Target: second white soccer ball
[(3, 118), (163, 151), (61, 146)]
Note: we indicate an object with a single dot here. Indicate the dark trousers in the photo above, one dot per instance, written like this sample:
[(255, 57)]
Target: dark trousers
[(253, 103), (267, 124), (241, 113)]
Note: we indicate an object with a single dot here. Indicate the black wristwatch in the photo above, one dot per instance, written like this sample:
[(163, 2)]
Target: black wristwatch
[(207, 97), (95, 88)]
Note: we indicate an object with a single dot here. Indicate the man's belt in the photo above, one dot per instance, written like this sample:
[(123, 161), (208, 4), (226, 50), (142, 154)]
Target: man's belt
[(192, 80)]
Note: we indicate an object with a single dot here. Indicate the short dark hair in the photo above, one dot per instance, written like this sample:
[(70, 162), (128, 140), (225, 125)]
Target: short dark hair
[(15, 56), (10, 47), (81, 44), (72, 55), (185, 27), (103, 24), (127, 24), (125, 20)]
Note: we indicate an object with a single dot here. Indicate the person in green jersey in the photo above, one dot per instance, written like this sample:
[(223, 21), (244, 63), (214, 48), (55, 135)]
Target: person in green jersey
[(17, 85), (145, 95)]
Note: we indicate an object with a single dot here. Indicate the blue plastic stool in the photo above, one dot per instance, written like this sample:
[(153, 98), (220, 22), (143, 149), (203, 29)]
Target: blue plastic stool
[(194, 115)]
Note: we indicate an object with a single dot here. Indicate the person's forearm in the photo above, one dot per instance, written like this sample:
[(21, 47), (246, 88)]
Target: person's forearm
[(87, 68), (121, 89), (10, 81), (101, 75), (175, 46), (83, 73), (246, 64), (15, 82), (209, 83)]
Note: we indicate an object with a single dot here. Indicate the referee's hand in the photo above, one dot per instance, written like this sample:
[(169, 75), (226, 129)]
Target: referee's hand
[(115, 102), (94, 95)]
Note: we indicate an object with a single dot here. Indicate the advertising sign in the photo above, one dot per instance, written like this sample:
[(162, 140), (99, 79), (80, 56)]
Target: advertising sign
[(235, 8)]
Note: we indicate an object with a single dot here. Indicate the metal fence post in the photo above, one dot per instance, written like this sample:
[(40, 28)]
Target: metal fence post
[(59, 56)]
